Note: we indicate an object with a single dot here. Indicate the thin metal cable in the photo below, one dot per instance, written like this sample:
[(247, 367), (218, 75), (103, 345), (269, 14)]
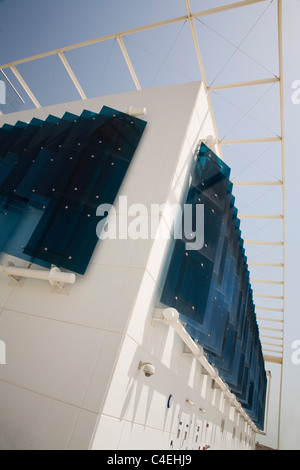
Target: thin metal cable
[(249, 110), (253, 162), (242, 111), (169, 52), (240, 44), (158, 58), (105, 66), (262, 203), (267, 250), (238, 49), (261, 228), (51, 87)]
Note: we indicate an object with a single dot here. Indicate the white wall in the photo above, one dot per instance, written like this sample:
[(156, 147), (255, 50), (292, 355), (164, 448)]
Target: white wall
[(71, 380)]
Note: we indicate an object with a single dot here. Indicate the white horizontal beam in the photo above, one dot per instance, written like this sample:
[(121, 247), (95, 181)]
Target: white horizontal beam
[(270, 319), (261, 281), (259, 216), (270, 329), (72, 75), (257, 183), (272, 350), (258, 140), (256, 242), (276, 297), (271, 265), (229, 86), (25, 86), (272, 344), (273, 359), (271, 337), (270, 309)]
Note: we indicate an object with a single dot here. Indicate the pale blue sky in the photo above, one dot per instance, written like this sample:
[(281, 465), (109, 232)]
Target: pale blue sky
[(167, 55)]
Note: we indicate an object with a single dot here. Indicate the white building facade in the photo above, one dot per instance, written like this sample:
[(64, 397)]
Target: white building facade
[(71, 378)]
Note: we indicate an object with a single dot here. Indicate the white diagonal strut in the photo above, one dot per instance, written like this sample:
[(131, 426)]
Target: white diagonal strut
[(25, 86), (202, 70), (72, 75), (129, 63)]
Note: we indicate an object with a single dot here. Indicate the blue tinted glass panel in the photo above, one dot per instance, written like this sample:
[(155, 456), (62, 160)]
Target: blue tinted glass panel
[(53, 176), (210, 288)]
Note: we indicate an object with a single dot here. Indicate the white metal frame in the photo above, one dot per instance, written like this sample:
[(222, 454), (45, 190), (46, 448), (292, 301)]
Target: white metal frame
[(190, 17)]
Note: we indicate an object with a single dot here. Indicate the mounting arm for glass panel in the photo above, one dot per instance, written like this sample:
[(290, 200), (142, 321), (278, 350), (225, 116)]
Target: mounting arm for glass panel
[(135, 112), (170, 317), (54, 276)]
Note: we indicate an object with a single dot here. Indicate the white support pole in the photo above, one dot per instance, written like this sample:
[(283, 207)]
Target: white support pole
[(72, 75), (280, 55), (268, 373), (196, 43)]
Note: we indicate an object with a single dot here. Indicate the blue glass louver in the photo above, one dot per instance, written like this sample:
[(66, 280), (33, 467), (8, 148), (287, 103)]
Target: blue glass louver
[(210, 288), (53, 176)]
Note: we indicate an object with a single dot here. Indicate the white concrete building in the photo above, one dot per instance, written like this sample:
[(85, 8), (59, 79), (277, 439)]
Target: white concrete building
[(72, 378)]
